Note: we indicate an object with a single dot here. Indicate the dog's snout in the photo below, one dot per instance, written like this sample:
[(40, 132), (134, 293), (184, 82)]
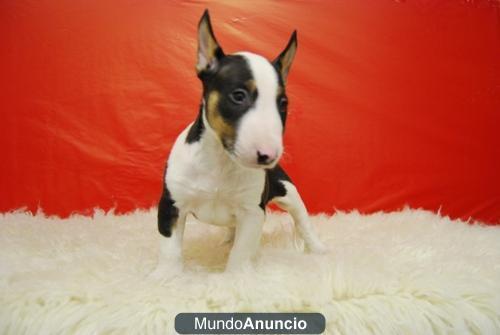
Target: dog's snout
[(265, 157)]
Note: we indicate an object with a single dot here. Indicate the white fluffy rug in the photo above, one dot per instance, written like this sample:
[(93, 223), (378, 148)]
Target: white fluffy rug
[(410, 272)]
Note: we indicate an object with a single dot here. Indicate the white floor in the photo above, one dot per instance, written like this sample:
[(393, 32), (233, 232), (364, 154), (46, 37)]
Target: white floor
[(410, 272)]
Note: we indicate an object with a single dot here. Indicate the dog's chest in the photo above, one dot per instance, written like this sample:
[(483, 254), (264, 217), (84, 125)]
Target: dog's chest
[(210, 185)]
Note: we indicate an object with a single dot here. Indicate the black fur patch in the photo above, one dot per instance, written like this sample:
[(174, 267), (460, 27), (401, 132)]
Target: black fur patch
[(232, 73), (197, 128), (167, 213), (274, 186), (282, 108)]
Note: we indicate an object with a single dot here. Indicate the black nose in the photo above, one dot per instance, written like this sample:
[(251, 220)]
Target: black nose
[(264, 159)]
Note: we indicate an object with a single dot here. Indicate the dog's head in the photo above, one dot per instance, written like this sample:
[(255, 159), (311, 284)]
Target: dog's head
[(244, 97)]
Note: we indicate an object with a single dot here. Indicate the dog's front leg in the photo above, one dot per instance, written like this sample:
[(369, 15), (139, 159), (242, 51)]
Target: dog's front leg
[(170, 252), (247, 238), (171, 224)]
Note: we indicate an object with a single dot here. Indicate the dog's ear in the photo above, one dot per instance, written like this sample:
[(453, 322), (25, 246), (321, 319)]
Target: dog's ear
[(209, 51), (284, 61)]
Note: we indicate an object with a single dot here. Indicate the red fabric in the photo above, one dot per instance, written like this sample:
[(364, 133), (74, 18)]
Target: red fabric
[(391, 103)]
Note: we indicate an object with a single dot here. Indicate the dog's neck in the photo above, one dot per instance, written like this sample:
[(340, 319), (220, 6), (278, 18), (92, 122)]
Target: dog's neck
[(211, 146)]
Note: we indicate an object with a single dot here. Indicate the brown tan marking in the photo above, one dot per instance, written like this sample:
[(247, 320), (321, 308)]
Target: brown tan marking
[(281, 90), (251, 86), (224, 130)]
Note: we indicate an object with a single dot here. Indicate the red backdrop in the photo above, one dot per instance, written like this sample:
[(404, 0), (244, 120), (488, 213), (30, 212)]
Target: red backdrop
[(392, 103)]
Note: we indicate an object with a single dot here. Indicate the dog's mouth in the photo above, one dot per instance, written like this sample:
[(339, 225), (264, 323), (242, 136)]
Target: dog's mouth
[(251, 164), (260, 166)]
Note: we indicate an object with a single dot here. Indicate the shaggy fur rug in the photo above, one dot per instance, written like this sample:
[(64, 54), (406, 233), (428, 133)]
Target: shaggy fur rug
[(408, 272)]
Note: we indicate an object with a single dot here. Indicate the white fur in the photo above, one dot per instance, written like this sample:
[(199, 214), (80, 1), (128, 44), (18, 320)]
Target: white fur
[(410, 272), (204, 181), (260, 128), (292, 203)]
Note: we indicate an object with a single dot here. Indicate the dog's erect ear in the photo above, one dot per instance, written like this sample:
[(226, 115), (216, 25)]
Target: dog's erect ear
[(284, 61), (209, 51)]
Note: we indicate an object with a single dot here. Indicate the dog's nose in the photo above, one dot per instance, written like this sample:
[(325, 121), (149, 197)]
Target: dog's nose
[(265, 157)]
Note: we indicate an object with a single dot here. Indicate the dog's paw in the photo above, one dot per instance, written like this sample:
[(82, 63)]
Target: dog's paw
[(164, 272), (239, 267), (317, 247)]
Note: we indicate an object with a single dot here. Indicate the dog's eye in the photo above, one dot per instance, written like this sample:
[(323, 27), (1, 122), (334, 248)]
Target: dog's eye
[(238, 96), (283, 103)]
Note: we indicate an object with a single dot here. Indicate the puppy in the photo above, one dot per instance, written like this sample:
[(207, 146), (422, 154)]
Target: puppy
[(223, 168)]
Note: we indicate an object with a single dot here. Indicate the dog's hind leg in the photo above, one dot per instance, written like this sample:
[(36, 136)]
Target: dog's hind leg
[(171, 224), (284, 194), (293, 204)]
